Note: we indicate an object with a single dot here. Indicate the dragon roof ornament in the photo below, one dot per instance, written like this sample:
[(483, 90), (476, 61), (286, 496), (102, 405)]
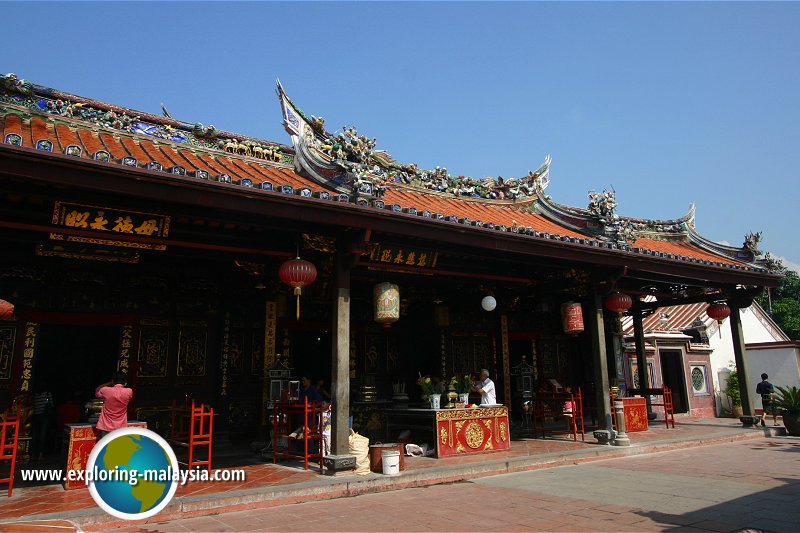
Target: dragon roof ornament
[(350, 162), (750, 246), (603, 208), (601, 220), (20, 92)]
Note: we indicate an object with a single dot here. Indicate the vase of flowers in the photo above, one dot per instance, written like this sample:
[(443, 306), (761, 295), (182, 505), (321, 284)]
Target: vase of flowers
[(462, 385), (429, 391)]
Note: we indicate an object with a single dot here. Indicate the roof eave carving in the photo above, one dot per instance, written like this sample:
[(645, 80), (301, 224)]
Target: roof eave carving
[(351, 160), (600, 220), (68, 107), (747, 253)]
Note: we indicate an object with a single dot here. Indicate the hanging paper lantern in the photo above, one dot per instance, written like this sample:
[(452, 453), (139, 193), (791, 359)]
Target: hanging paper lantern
[(387, 303), (6, 310), (572, 318), (488, 303), (718, 311), (618, 302), (297, 273)]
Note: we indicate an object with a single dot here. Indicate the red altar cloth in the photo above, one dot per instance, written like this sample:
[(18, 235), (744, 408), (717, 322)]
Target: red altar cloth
[(82, 438), (635, 411)]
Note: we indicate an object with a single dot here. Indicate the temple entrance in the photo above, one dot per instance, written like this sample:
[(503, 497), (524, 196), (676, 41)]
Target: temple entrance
[(73, 359), (673, 377), (311, 354)]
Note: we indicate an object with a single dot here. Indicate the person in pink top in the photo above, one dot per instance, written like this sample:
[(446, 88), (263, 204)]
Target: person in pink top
[(116, 398)]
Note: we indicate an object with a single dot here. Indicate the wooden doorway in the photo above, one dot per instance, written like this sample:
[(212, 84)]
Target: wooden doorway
[(673, 376)]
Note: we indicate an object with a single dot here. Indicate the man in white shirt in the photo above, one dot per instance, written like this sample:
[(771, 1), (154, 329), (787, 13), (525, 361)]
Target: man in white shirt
[(486, 389)]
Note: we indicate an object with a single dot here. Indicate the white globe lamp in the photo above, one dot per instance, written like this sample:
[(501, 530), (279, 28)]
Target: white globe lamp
[(488, 303)]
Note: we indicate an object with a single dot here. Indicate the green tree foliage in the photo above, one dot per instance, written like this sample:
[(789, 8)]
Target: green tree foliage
[(785, 303), (732, 388)]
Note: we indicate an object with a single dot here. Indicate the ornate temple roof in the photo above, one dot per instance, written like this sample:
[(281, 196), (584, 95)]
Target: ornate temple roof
[(346, 169)]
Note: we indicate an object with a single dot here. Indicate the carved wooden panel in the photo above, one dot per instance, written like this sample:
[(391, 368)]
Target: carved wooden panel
[(153, 349), (237, 349), (192, 349), (8, 336)]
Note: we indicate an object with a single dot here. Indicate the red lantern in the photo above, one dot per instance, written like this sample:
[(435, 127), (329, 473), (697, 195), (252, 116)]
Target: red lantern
[(572, 318), (718, 311), (618, 302), (6, 310), (297, 273)]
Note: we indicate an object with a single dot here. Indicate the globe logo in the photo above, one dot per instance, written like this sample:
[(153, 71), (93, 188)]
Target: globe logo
[(132, 473)]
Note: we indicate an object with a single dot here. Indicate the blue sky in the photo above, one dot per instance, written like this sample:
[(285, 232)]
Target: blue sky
[(669, 103)]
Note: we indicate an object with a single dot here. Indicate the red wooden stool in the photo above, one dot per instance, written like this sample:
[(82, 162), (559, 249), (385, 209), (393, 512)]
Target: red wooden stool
[(201, 436), (9, 440), (669, 410)]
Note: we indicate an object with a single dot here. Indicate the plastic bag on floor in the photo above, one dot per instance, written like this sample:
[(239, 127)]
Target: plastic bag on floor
[(359, 446), (415, 450)]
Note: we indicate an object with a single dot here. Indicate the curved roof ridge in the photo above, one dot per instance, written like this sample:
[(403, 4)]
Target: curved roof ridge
[(747, 253)]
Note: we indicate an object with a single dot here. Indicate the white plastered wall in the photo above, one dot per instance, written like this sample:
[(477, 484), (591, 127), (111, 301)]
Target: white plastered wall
[(781, 363)]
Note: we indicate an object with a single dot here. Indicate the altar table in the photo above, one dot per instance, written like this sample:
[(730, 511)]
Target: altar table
[(454, 431)]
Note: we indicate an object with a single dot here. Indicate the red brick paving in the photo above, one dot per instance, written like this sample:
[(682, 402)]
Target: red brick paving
[(49, 500)]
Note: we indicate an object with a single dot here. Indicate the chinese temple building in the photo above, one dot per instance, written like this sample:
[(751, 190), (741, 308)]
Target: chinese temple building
[(147, 244)]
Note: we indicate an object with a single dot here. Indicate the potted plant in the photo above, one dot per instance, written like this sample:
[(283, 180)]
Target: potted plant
[(429, 390), (462, 385), (733, 394), (787, 400)]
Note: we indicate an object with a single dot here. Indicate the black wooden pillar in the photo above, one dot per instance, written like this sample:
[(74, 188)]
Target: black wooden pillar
[(739, 354), (599, 359)]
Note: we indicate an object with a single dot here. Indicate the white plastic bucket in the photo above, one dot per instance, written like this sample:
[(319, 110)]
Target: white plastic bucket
[(390, 459)]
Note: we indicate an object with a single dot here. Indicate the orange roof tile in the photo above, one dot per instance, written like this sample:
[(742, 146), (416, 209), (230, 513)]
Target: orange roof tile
[(40, 131), (136, 151), (190, 161), (91, 141), (152, 153), (114, 147), (67, 137), (683, 249), (13, 125)]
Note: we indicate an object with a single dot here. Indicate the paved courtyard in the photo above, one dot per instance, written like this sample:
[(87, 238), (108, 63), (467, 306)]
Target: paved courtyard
[(749, 485)]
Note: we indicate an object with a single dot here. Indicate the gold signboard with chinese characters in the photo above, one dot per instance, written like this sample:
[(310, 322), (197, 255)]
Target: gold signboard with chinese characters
[(108, 222), (28, 352), (125, 349), (269, 334), (223, 363), (87, 253), (402, 256)]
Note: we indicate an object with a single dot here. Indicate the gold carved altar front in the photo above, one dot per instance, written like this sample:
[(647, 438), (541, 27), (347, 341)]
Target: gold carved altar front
[(460, 431)]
